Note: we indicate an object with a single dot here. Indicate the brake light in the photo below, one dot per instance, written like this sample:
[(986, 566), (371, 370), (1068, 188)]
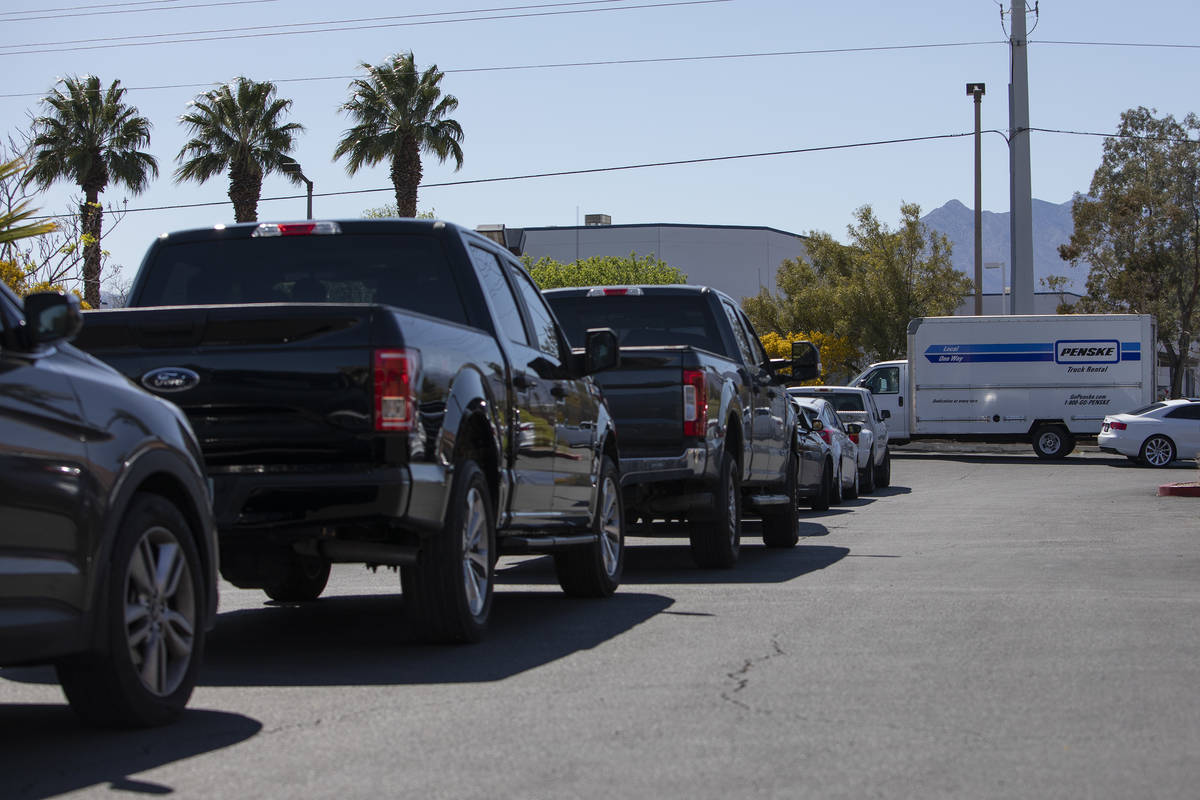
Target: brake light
[(825, 435), (695, 403), (853, 437), (268, 229), (395, 378), (603, 291), (1117, 426)]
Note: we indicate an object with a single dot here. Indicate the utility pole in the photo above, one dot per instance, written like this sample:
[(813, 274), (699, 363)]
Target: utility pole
[(1020, 181), (977, 91)]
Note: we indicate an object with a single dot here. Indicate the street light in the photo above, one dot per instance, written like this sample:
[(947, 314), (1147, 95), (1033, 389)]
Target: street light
[(976, 90), (292, 167), (1003, 289)]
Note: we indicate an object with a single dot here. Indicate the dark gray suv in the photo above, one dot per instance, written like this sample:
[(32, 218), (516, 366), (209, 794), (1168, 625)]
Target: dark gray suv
[(108, 552)]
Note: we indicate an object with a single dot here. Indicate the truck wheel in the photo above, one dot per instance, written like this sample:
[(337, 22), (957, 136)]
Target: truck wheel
[(781, 524), (716, 539), (883, 475), (154, 601), (448, 592), (821, 501), (1158, 451), (305, 580), (1052, 442), (595, 570)]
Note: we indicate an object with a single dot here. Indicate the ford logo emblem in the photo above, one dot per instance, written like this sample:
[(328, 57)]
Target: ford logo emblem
[(170, 379)]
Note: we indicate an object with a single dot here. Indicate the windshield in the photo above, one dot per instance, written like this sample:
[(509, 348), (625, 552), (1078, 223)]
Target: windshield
[(406, 271), (645, 320)]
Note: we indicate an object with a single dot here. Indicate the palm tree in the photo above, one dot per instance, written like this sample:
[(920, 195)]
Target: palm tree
[(238, 128), (399, 112), (14, 221), (89, 135)]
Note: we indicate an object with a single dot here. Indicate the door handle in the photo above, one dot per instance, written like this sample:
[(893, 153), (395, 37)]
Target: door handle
[(900, 401), (522, 382)]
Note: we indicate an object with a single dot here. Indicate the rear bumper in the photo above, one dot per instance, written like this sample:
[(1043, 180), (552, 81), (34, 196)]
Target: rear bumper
[(692, 463), (247, 499)]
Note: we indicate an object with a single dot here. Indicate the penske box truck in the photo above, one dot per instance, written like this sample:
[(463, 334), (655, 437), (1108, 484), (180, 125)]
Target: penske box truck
[(1040, 379)]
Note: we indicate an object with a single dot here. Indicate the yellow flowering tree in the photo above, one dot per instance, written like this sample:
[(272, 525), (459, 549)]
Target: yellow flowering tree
[(838, 356)]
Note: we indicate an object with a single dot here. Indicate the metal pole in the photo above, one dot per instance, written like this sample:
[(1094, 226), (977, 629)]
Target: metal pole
[(1020, 182), (310, 188), (977, 90)]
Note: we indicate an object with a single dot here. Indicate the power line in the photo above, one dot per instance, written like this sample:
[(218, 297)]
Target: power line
[(564, 173), (72, 14), (576, 64), (123, 41), (1137, 137), (87, 8), (1121, 44)]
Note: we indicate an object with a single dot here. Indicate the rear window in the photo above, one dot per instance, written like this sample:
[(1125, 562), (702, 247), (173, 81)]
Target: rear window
[(409, 272), (645, 320), (841, 401), (1145, 409)]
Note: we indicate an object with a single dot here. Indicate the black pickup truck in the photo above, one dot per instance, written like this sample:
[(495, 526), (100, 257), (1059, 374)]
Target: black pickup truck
[(706, 424), (384, 392)]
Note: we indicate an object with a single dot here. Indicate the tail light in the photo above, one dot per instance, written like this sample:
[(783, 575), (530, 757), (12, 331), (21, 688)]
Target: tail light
[(695, 403), (1116, 426), (853, 437), (395, 389), (825, 435), (272, 229), (609, 291)]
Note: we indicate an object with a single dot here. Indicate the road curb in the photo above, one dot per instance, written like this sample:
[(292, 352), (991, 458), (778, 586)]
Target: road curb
[(1179, 490)]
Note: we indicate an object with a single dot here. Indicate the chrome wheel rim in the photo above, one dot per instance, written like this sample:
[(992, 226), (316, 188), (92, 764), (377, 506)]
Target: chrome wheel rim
[(1158, 452), (477, 562), (160, 611), (610, 527)]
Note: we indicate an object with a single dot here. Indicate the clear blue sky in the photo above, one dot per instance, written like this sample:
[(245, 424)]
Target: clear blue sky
[(570, 118)]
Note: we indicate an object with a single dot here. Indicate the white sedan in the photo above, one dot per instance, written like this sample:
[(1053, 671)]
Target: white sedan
[(1154, 435)]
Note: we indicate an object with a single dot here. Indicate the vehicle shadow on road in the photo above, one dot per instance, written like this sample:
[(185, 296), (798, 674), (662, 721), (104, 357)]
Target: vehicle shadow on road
[(364, 640), (45, 752), (672, 563)]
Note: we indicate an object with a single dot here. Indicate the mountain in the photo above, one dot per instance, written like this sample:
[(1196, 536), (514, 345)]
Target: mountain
[(1052, 226)]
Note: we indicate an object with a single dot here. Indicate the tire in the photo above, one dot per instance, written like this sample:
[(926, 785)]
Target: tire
[(852, 492), (448, 592), (883, 475), (838, 492), (595, 570), (154, 601), (306, 579), (1052, 442), (821, 501), (866, 478), (1158, 451), (716, 538), (781, 524)]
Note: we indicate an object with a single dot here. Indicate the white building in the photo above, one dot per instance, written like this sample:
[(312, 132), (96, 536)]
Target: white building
[(738, 260)]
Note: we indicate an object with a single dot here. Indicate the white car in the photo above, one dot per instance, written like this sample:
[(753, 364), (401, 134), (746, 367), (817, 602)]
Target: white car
[(824, 420), (1156, 434), (855, 404)]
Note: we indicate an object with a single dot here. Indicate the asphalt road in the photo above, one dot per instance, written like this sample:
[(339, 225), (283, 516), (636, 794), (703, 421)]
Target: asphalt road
[(990, 626)]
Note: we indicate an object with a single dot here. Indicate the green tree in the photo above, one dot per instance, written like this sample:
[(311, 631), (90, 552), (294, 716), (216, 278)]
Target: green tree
[(398, 113), (603, 271), (1139, 228), (14, 220), (238, 128), (866, 291), (89, 135), (390, 211)]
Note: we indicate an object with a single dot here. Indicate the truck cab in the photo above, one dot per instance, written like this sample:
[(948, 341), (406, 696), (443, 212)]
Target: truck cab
[(888, 383)]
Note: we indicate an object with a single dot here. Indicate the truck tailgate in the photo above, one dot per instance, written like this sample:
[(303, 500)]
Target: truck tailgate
[(645, 396), (265, 384)]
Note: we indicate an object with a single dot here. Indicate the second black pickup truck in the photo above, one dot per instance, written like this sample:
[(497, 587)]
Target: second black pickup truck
[(706, 424), (391, 392)]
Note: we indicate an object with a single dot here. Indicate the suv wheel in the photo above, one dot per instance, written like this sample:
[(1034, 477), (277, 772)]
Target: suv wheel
[(153, 603), (716, 538), (595, 570), (448, 592)]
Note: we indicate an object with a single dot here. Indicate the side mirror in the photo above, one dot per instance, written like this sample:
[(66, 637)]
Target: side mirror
[(806, 361), (853, 428), (818, 425), (52, 317), (885, 414), (601, 350)]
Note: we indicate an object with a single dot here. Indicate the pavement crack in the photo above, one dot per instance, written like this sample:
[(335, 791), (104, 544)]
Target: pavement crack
[(741, 676)]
